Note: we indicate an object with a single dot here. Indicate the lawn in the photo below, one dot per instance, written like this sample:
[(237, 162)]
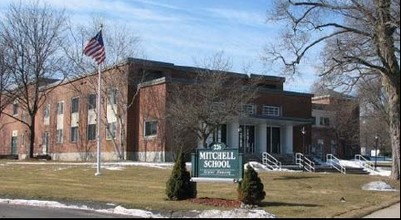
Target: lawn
[(288, 194)]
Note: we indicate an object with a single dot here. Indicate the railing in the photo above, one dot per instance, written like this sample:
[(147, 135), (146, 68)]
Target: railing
[(335, 163), (271, 162), (304, 162), (364, 162)]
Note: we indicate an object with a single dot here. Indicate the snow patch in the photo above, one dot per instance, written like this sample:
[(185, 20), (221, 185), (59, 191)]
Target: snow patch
[(236, 213), (378, 186)]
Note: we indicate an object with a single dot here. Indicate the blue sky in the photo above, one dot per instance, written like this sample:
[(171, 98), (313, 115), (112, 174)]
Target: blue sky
[(183, 32)]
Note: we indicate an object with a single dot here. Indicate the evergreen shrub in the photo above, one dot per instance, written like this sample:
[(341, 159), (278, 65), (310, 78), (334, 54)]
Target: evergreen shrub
[(179, 186), (250, 189)]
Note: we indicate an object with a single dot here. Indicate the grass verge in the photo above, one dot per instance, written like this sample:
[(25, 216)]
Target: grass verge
[(288, 194)]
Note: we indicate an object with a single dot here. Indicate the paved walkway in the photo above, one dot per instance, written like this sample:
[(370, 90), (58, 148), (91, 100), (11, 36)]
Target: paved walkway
[(389, 212)]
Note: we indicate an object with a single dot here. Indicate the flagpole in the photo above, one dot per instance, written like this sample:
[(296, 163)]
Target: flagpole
[(98, 121), (95, 49)]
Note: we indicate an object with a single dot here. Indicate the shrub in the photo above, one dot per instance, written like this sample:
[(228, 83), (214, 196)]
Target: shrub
[(179, 186), (250, 189)]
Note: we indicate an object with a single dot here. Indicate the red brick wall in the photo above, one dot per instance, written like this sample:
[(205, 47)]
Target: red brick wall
[(152, 101)]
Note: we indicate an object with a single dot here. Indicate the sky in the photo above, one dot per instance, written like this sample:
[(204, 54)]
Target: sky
[(235, 213), (185, 32)]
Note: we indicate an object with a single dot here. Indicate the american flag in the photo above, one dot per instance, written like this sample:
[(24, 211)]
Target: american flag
[(95, 48)]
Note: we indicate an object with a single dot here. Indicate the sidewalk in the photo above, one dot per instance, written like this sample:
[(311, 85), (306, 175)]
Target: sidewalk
[(389, 212)]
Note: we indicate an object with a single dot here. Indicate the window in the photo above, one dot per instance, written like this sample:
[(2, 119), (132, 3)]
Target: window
[(111, 130), (216, 106), (324, 121), (112, 96), (46, 111), (219, 135), (59, 136), (15, 108), (314, 121), (271, 110), (91, 132), (45, 139), (249, 109), (150, 128), (74, 134), (92, 101), (14, 149), (74, 105), (60, 108)]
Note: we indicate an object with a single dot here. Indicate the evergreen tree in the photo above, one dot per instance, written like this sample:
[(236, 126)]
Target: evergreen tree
[(179, 186), (250, 189)]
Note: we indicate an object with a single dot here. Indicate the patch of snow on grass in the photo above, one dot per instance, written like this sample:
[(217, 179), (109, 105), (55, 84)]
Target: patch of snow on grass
[(132, 212), (114, 168), (236, 213), (378, 186)]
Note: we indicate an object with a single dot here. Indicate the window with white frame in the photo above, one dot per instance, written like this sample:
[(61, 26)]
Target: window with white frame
[(15, 108), (150, 128), (215, 106), (91, 133), (45, 139), (219, 135), (92, 101), (46, 111), (314, 121), (271, 110), (324, 121), (249, 109), (112, 96), (111, 130), (60, 108), (46, 114), (59, 136), (74, 134), (74, 105)]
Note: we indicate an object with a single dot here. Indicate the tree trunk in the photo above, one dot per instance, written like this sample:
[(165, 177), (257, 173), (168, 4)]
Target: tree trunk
[(390, 78), (32, 137), (394, 111)]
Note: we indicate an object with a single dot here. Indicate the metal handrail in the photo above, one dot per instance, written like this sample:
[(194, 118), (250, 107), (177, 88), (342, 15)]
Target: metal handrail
[(298, 159), (271, 162), (335, 163), (365, 163), (304, 162), (310, 165)]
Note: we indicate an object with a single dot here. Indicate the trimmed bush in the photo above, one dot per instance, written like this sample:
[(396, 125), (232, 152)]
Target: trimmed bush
[(250, 189), (179, 186)]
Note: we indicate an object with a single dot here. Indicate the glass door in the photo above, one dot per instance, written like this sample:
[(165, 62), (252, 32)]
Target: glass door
[(247, 138), (273, 140)]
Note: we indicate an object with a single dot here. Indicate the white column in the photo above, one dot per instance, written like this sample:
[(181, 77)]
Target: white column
[(232, 135), (261, 138), (287, 146)]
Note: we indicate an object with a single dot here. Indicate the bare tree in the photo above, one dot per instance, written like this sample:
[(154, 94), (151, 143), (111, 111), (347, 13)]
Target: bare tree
[(32, 34), (4, 81), (211, 97), (375, 114), (361, 38)]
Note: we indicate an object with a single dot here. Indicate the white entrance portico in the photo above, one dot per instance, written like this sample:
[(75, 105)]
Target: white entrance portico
[(261, 134)]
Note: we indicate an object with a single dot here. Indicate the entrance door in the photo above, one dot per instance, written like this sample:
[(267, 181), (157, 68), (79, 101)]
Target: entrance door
[(247, 138), (13, 145), (273, 140)]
